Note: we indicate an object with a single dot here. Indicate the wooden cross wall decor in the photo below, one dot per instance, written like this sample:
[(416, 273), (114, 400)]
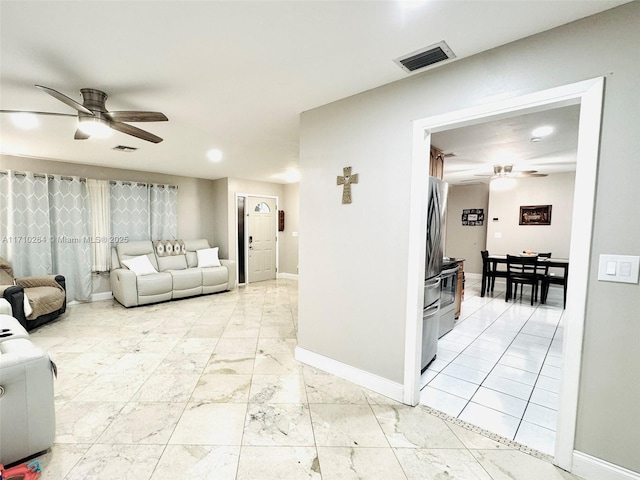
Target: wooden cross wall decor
[(346, 180)]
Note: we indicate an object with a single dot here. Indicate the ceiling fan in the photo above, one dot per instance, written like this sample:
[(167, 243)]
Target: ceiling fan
[(506, 171), (95, 119)]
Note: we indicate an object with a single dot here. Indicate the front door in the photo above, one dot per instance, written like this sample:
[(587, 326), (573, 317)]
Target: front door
[(262, 239)]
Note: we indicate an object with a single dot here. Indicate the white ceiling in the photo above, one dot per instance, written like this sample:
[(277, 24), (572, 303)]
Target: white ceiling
[(507, 141), (229, 75)]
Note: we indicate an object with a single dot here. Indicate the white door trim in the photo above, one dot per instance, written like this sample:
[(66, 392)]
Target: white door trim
[(246, 239), (589, 94)]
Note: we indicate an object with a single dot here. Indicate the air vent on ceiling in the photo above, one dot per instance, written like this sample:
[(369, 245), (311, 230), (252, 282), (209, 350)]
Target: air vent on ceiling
[(124, 148), (425, 57)]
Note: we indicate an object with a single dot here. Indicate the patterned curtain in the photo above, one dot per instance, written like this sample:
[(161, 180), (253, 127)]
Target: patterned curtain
[(71, 234), (28, 224), (164, 212), (129, 211)]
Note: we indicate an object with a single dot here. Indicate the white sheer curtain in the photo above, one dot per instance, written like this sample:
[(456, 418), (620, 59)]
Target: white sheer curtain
[(100, 224), (164, 212), (129, 211), (5, 232), (71, 234)]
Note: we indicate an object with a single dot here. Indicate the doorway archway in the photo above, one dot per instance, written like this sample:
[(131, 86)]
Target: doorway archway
[(589, 95)]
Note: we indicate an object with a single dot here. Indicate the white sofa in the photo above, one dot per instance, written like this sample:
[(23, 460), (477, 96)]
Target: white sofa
[(175, 274), (27, 411)]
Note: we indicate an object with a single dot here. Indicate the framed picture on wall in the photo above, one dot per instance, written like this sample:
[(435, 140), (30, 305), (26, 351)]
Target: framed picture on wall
[(473, 217), (535, 215)]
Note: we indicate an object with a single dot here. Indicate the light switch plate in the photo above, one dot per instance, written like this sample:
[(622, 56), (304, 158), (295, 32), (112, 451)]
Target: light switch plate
[(618, 268)]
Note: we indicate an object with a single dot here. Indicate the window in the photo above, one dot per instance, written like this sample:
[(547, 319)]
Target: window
[(262, 208)]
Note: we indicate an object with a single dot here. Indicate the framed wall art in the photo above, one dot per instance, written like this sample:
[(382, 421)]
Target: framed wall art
[(535, 215), (473, 217)]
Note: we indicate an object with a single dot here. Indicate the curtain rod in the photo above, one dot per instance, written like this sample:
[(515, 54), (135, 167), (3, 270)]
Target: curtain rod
[(42, 175), (140, 184), (83, 180)]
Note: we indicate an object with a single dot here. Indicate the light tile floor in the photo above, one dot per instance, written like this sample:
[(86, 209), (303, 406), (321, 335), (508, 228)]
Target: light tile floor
[(500, 366), (208, 388)]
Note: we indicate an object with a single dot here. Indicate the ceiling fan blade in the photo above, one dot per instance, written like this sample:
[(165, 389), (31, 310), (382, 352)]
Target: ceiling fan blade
[(64, 99), (137, 116), (80, 135), (40, 113), (135, 131)]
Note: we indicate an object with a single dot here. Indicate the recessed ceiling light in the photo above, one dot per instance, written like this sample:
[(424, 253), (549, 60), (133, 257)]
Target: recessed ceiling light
[(542, 131), (25, 120), (214, 155)]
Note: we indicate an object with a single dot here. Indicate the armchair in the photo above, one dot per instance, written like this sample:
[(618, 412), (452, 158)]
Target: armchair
[(33, 300)]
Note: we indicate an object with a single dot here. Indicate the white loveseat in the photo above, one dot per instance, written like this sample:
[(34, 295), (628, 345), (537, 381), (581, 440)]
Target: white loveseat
[(177, 269)]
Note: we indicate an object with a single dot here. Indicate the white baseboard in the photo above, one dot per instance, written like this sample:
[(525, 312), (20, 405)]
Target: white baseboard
[(365, 379), (473, 276), (592, 468), (96, 297), (290, 276)]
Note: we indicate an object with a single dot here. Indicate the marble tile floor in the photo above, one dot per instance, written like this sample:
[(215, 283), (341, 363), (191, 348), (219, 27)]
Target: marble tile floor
[(500, 367), (208, 388)]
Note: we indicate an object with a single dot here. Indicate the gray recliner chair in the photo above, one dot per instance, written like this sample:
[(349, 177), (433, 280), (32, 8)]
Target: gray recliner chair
[(27, 411), (46, 296)]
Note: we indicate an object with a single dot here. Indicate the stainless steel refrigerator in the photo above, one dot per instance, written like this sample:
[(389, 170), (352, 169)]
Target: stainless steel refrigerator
[(433, 267)]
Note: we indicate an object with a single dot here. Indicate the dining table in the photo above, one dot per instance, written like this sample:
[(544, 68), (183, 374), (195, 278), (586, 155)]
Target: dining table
[(561, 263)]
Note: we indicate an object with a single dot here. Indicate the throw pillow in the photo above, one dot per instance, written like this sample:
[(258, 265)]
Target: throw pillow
[(140, 265), (160, 248), (208, 257)]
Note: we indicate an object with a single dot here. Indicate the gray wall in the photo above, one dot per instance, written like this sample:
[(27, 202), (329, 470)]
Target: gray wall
[(289, 238), (463, 241), (353, 258)]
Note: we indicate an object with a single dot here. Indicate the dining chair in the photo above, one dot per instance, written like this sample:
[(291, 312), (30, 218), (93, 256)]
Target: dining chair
[(491, 271), (552, 279), (542, 270), (521, 271)]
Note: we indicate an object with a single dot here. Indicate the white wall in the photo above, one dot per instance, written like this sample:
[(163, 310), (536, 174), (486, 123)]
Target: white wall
[(506, 235), (464, 241), (353, 258)]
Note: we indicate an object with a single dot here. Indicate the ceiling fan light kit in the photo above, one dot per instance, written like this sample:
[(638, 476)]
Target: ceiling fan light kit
[(94, 120), (94, 126)]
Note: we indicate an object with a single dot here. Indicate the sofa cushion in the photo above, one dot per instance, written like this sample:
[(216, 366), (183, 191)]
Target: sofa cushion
[(214, 276), (208, 257), (44, 300), (174, 262), (186, 279), (154, 284), (129, 250)]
